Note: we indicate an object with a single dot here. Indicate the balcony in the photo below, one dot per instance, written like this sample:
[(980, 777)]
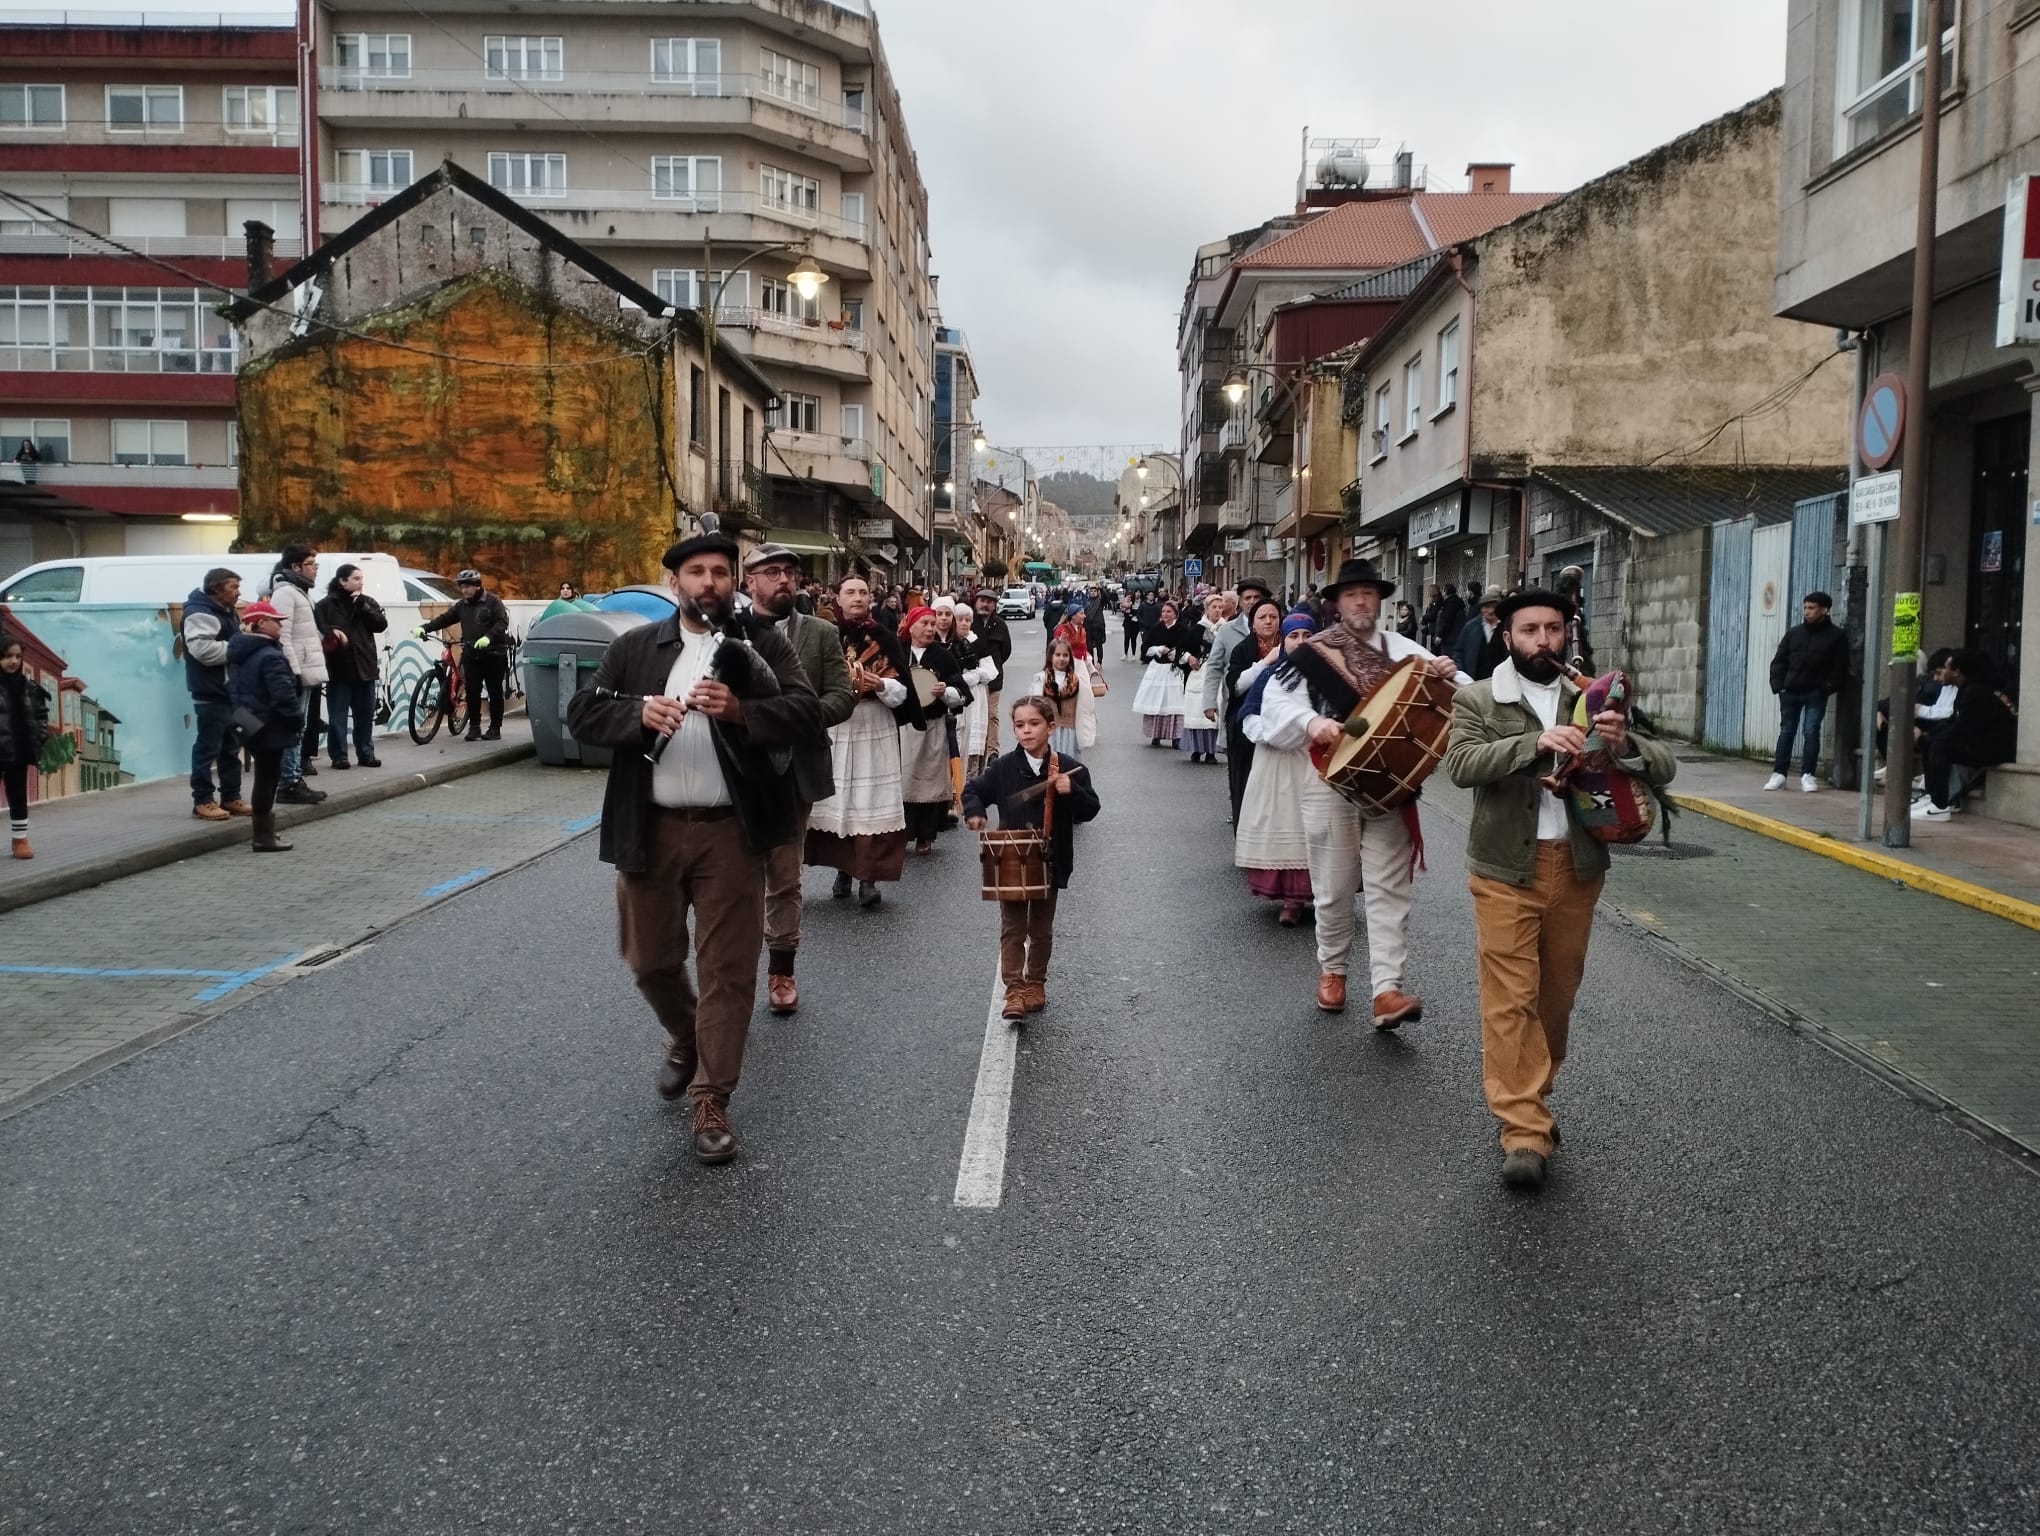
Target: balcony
[(166, 477), (740, 494), (844, 462), (204, 247), (1232, 437), (1234, 514), (824, 127), (825, 346)]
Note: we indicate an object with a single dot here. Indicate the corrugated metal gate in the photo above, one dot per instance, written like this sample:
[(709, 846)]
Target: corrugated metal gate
[(1728, 618), (1771, 609)]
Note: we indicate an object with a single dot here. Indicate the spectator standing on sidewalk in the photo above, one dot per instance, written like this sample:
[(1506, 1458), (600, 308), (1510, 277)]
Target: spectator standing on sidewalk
[(24, 723), (349, 621), (268, 710), (1811, 662), (484, 629), (290, 594), (1480, 648), (210, 624)]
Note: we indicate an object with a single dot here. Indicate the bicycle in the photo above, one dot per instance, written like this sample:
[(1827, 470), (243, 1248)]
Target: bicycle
[(440, 696)]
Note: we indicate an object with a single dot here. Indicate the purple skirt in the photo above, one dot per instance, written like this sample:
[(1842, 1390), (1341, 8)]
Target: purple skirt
[(1161, 727), (1283, 885)]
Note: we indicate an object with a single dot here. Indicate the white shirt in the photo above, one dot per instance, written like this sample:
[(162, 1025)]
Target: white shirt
[(1033, 763), (688, 773), (1553, 826), (1286, 713)]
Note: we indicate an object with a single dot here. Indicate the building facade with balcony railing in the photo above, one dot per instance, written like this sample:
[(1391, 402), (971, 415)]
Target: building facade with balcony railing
[(700, 149), (123, 146)]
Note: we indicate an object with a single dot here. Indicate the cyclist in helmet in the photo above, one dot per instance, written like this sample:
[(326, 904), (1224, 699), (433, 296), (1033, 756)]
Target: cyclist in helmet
[(484, 633)]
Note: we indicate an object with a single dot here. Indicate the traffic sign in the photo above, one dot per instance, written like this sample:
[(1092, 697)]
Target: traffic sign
[(1880, 429), (1874, 499), (1193, 568)]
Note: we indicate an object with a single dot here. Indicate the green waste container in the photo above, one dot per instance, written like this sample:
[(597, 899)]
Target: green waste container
[(560, 656)]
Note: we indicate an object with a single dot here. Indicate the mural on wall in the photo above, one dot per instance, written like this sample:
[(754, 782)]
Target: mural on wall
[(80, 754)]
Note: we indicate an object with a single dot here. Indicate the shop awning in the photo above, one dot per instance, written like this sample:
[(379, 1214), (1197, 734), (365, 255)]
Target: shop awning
[(806, 541)]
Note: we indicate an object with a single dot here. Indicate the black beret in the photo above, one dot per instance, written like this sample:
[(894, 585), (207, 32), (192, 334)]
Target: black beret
[(701, 544), (1532, 597)]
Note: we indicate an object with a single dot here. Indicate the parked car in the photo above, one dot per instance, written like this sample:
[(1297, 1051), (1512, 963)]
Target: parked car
[(425, 586), (1017, 603), (142, 579)]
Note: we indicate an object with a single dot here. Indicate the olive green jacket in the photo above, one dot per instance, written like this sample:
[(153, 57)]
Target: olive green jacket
[(1493, 752), (819, 647)]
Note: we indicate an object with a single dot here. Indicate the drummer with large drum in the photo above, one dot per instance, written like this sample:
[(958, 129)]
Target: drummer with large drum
[(1355, 844)]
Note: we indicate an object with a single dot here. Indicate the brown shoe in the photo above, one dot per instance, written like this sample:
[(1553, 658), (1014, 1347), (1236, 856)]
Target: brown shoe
[(22, 850), (675, 1073), (1016, 1002), (714, 1139), (211, 812), (238, 808), (1037, 995), (1331, 993), (1290, 915), (1392, 1009), (781, 995)]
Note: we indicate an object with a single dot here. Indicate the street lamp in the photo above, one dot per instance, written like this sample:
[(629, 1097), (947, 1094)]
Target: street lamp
[(807, 278), (978, 441), (1235, 385)]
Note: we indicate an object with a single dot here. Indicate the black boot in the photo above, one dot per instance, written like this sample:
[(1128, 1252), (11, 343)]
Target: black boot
[(841, 889), (266, 840)]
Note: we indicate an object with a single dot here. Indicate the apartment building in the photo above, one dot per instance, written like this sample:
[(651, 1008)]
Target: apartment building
[(165, 139), (959, 523), (701, 147), (1848, 178)]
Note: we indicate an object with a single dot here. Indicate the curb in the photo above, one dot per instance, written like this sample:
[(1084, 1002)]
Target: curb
[(207, 837), (2025, 913)]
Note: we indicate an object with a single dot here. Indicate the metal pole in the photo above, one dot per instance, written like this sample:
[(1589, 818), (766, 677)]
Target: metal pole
[(1912, 497), (1873, 604)]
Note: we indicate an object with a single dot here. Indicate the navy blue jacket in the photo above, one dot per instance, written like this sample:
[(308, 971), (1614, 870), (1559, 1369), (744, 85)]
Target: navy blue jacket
[(208, 629), (259, 679), (1001, 783)]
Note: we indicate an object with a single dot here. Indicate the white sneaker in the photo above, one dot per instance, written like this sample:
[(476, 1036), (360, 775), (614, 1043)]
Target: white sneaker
[(1878, 776), (1926, 810), (1919, 783), (1775, 781), (1808, 784)]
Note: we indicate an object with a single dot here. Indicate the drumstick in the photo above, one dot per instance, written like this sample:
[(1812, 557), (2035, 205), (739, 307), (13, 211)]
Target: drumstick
[(1036, 791)]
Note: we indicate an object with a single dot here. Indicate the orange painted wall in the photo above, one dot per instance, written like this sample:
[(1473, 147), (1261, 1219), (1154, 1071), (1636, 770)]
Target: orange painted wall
[(536, 475)]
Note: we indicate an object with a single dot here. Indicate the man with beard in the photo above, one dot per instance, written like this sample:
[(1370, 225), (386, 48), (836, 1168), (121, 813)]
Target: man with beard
[(772, 578), (997, 640), (861, 830), (1308, 704), (1534, 873), (695, 800)]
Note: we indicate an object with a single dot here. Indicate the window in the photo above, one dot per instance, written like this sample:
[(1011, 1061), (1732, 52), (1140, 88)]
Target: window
[(853, 107), (1382, 411), (114, 330), (790, 193), (780, 298), (260, 109), (800, 413), (282, 218), (532, 175), (137, 108), (127, 216), (149, 442), (789, 79), (1413, 395), (31, 106), (371, 56), (51, 436), (853, 423), (853, 314), (697, 407), (1448, 367), (17, 220), (524, 58), (61, 584), (1884, 55), (682, 286), (233, 444), (380, 170), (691, 179), (853, 209), (693, 62)]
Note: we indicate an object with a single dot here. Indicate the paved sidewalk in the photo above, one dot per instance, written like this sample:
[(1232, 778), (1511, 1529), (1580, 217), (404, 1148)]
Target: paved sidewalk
[(1993, 855), (85, 840)]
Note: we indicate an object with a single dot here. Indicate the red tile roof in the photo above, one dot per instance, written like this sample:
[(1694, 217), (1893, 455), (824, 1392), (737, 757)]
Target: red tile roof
[(1373, 235)]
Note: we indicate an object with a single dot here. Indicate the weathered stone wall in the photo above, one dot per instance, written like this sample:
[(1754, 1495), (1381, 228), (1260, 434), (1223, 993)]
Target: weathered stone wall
[(532, 446), (1625, 322), (1665, 640)]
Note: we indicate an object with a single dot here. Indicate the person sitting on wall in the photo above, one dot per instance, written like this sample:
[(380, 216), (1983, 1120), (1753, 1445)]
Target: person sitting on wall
[(1982, 732)]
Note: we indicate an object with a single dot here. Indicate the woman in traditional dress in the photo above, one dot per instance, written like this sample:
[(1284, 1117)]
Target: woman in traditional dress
[(1072, 629), (1200, 736), (1264, 640), (1068, 683), (1269, 842), (861, 830), (979, 666), (934, 678), (1172, 650)]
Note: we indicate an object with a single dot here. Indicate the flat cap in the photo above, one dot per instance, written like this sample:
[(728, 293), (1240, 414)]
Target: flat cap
[(771, 554), (700, 544)]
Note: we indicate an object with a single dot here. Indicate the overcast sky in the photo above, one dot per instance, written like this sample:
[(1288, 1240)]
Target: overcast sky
[(1078, 151)]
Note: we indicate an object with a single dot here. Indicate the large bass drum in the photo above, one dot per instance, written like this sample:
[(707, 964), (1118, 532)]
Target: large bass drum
[(1393, 740)]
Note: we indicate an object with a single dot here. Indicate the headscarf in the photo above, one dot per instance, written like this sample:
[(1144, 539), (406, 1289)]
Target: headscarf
[(907, 624), (1302, 621)]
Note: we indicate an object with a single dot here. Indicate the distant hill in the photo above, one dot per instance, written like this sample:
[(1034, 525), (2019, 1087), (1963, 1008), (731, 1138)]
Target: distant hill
[(1079, 494)]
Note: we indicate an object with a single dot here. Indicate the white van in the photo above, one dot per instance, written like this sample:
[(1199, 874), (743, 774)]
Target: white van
[(159, 580)]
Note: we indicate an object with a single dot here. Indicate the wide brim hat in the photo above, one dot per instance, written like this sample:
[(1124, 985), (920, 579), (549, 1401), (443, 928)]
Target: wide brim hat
[(1359, 573)]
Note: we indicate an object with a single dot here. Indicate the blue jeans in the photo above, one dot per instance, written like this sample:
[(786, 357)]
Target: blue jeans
[(1797, 710), (357, 698), (294, 754), (218, 744)]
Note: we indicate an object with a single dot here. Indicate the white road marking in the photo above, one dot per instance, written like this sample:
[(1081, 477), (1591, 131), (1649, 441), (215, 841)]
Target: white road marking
[(981, 1177)]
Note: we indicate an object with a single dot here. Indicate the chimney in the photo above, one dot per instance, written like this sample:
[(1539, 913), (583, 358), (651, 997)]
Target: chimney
[(261, 252), (1489, 175)]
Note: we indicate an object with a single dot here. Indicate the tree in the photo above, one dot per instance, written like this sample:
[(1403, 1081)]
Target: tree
[(993, 570)]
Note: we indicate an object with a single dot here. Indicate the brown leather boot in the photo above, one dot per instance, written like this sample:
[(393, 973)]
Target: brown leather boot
[(1393, 1009), (22, 850), (715, 1139), (1331, 993), (1037, 995), (675, 1073), (266, 840), (1016, 1001), (237, 808)]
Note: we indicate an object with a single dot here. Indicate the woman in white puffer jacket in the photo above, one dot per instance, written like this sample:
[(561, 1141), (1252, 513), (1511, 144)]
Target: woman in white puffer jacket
[(290, 593)]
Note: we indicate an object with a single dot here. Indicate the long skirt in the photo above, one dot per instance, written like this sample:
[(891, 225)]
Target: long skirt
[(1291, 887), (861, 829), (1200, 738), (1062, 741), (1270, 838), (925, 782), (1161, 702)]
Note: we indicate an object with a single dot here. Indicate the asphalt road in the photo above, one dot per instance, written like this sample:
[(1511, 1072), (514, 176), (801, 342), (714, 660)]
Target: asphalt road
[(409, 1245)]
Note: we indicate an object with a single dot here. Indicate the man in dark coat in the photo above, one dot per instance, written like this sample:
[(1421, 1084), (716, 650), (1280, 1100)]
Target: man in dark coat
[(1811, 662), (210, 623), (484, 649), (1983, 732), (703, 721), (991, 630), (1481, 643)]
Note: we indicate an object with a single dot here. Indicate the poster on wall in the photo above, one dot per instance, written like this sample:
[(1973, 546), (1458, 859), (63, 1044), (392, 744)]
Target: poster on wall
[(1993, 553)]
